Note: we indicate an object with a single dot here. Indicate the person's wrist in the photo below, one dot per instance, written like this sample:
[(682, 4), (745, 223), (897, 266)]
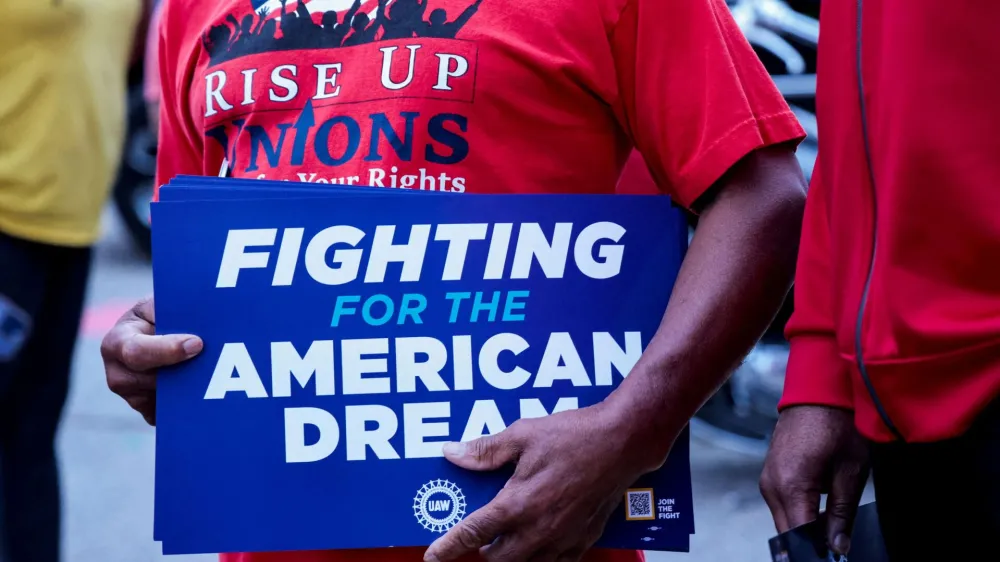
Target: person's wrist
[(646, 436), (811, 409)]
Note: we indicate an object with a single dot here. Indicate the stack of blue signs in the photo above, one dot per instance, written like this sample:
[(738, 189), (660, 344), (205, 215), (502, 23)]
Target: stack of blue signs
[(349, 331)]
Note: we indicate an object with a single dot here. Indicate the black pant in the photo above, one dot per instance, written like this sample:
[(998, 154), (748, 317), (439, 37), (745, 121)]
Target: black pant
[(41, 300), (941, 501)]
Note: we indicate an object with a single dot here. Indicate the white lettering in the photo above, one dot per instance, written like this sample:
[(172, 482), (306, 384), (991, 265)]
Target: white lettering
[(349, 261), (461, 359), (416, 430), (458, 237), (485, 419), (296, 420), (496, 260), (235, 358), (531, 242), (235, 257), (288, 256), (281, 81), (489, 361), (322, 81), (248, 86), (287, 363), (612, 254), (608, 354), (384, 252), (387, 67), (561, 362), (354, 366), (214, 83), (408, 369), (359, 438), (445, 72)]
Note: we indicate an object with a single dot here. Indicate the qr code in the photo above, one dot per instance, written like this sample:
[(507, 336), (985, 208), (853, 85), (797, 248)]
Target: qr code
[(639, 505)]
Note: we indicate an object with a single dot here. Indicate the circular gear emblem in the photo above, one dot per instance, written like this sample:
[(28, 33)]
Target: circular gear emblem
[(439, 505)]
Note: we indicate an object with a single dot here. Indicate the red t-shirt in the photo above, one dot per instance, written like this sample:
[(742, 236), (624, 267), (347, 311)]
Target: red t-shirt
[(479, 96)]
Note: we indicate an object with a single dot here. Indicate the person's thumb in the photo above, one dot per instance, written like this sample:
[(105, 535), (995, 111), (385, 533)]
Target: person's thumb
[(842, 505), (142, 353), (485, 453)]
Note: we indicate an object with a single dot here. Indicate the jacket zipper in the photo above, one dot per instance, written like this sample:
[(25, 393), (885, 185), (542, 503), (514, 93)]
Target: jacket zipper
[(858, 348)]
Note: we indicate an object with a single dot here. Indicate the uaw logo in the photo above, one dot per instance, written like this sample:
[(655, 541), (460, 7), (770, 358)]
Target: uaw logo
[(439, 505)]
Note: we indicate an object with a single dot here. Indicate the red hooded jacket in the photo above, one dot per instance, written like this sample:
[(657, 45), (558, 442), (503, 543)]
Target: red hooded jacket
[(898, 287)]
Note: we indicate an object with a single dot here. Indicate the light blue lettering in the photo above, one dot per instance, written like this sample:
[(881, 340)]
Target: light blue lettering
[(339, 310), (456, 303), (478, 306), (511, 304), (366, 310), (412, 306)]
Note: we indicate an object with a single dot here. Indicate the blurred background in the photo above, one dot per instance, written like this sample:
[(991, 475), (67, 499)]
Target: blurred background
[(106, 451)]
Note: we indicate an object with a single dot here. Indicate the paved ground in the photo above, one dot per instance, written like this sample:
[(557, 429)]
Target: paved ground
[(107, 453)]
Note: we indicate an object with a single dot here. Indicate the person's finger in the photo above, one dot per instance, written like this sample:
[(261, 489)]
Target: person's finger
[(149, 414), (123, 382), (842, 505), (574, 555), (769, 489), (791, 497), (544, 556), (145, 311), (801, 505), (477, 530), (497, 543), (506, 548), (486, 453), (143, 353), (145, 404), (126, 327)]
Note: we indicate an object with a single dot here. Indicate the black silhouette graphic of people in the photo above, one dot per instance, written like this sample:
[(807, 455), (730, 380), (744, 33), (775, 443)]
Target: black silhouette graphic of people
[(364, 31), (258, 32), (439, 26)]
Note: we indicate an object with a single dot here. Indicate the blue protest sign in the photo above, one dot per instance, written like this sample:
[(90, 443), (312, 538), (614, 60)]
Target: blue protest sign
[(346, 338)]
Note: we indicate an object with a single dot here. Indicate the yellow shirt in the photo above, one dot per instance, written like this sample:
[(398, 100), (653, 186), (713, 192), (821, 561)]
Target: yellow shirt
[(63, 67)]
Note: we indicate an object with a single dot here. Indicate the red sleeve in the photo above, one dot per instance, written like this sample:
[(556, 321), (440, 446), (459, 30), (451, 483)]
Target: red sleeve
[(816, 372), (177, 150), (693, 95)]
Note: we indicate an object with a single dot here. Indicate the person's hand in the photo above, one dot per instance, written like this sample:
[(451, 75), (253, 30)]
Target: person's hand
[(132, 354), (572, 471), (816, 450)]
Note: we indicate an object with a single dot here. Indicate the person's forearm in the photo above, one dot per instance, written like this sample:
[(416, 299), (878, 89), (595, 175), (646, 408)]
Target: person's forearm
[(734, 278)]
